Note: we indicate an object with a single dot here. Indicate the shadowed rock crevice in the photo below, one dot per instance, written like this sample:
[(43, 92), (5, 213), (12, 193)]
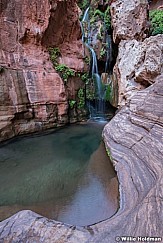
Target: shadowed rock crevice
[(62, 29)]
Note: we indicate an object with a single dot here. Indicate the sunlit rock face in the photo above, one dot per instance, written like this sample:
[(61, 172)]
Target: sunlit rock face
[(130, 23), (139, 60), (138, 65), (129, 19), (32, 94)]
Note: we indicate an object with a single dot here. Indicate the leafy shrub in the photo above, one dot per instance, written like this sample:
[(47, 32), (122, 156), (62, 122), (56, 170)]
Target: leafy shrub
[(81, 102), (108, 93), (85, 78), (72, 103), (107, 18), (90, 92), (156, 18), (83, 4), (102, 52), (54, 54), (65, 71), (87, 60), (99, 13)]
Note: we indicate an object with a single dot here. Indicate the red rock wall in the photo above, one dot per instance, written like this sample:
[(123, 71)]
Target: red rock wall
[(32, 95)]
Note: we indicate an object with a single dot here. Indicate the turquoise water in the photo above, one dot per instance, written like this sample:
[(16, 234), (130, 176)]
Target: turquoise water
[(64, 175)]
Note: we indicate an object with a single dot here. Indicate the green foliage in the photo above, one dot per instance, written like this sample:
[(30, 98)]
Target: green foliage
[(95, 15), (81, 102), (109, 153), (107, 18), (87, 60), (99, 14), (72, 103), (102, 52), (90, 93), (108, 93), (85, 78), (101, 33), (99, 37), (65, 71), (83, 4), (54, 54), (156, 18)]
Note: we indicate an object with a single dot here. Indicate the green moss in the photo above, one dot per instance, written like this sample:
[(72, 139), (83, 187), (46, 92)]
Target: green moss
[(98, 13), (99, 37), (108, 93), (85, 78), (83, 4), (87, 60), (102, 52), (81, 97), (64, 71), (72, 103), (107, 18), (90, 93), (109, 154), (156, 19), (54, 54)]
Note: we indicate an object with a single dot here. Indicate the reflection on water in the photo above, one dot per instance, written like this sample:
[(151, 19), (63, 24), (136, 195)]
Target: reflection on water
[(65, 175)]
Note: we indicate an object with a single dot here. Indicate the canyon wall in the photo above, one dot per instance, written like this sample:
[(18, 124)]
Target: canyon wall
[(33, 96)]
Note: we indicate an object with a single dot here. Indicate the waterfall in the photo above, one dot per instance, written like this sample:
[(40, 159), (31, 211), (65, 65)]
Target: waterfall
[(86, 15), (109, 52), (96, 112)]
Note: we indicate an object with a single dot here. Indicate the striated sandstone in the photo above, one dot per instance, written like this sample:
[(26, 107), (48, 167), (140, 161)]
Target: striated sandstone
[(129, 19), (32, 95)]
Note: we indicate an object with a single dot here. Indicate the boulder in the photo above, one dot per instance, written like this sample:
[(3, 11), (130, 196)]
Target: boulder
[(129, 19), (138, 65)]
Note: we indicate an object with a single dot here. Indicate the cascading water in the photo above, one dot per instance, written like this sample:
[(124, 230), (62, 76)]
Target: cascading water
[(109, 52), (96, 112)]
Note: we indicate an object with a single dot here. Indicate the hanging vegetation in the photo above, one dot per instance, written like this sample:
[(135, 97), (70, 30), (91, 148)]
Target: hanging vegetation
[(156, 19)]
